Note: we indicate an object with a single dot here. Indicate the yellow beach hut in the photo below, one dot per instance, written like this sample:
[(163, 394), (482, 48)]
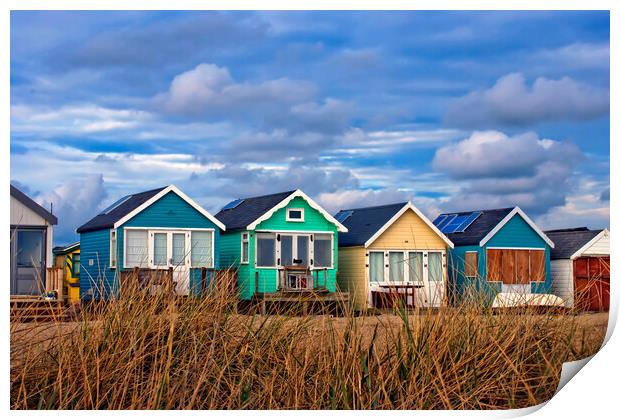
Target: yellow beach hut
[(391, 251), (68, 258)]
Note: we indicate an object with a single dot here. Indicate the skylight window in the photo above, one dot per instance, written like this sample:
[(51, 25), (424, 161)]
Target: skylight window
[(343, 215), (233, 204)]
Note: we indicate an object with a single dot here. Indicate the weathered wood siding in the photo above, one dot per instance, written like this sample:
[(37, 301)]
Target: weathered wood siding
[(352, 275)]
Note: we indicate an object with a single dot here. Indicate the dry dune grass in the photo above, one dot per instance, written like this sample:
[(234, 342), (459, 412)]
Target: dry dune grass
[(153, 352)]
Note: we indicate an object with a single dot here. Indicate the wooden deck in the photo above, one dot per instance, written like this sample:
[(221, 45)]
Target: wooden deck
[(304, 301)]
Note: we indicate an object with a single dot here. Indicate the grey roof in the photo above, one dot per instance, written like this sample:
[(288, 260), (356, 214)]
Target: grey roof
[(34, 206), (364, 222), (106, 221), (569, 241), (250, 209), (485, 223)]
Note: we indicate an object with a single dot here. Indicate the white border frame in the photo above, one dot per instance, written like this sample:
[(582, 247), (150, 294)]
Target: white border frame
[(408, 206), (247, 234), (168, 229), (303, 215), (508, 217), (297, 193), (156, 197)]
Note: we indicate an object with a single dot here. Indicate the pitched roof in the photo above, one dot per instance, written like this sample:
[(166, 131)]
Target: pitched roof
[(250, 209), (364, 222), (60, 250), (569, 241), (480, 227), (34, 206), (126, 205)]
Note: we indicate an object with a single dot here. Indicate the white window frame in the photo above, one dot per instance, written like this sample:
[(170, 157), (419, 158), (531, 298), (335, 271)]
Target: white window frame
[(295, 233), (294, 249), (113, 249), (150, 231), (407, 280), (331, 238), (275, 250), (245, 239), (300, 220)]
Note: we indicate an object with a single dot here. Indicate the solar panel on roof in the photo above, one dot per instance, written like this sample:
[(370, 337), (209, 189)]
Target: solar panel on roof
[(454, 224), (343, 215), (233, 204), (439, 219), (467, 222), (446, 221), (115, 204)]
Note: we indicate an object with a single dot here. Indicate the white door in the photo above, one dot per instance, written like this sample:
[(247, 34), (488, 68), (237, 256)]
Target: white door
[(435, 283), (180, 261), (170, 249)]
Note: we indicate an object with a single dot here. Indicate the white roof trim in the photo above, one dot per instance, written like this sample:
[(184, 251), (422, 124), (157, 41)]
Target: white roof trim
[(408, 206), (156, 197), (506, 219), (591, 242), (283, 203)]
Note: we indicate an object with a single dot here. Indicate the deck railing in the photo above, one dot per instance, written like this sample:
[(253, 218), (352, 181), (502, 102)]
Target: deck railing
[(54, 281)]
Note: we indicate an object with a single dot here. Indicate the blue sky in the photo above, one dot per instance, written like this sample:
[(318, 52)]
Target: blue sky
[(453, 110)]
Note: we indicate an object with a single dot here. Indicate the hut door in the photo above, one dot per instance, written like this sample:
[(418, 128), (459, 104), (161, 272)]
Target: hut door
[(27, 261), (592, 283)]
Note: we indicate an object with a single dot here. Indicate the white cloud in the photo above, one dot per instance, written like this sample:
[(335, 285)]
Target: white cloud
[(495, 170), (353, 198), (493, 154), (577, 55), (511, 102), (209, 89)]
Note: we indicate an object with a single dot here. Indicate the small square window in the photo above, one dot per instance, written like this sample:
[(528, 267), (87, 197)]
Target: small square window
[(295, 215)]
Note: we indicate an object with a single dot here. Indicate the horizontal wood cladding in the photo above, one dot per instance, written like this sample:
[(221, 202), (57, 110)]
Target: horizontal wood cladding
[(516, 266), (409, 232)]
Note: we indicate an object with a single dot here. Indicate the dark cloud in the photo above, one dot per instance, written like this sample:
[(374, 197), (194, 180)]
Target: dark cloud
[(241, 181), (75, 202), (511, 102), (157, 43)]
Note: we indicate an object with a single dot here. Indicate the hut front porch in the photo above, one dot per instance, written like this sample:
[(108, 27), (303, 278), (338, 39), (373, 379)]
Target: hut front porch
[(303, 302)]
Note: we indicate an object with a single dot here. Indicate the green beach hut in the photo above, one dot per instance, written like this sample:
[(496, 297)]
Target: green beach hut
[(280, 242)]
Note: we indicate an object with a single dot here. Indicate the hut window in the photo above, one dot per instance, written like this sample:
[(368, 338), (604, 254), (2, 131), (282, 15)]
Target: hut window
[(160, 249), (416, 273), (294, 215), (178, 249), (113, 248), (245, 247), (75, 267), (202, 248), (322, 250), (136, 248), (265, 250), (471, 264), (377, 267), (435, 266), (397, 267)]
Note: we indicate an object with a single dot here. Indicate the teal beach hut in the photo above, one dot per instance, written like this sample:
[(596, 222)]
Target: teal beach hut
[(160, 229), (499, 250), (280, 242)]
